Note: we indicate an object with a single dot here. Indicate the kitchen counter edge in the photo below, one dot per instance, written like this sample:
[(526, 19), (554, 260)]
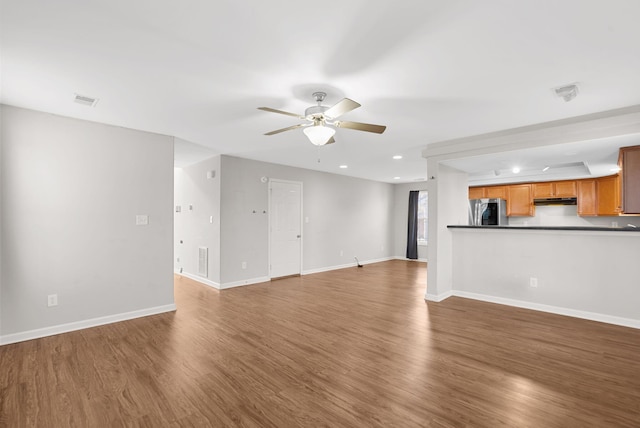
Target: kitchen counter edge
[(582, 228)]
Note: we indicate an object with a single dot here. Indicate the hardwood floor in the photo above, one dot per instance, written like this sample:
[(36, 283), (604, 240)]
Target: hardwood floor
[(348, 348)]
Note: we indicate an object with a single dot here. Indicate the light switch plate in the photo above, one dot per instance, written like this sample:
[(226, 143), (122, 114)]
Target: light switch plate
[(142, 220)]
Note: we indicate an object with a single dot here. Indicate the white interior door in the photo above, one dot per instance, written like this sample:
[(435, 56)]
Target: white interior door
[(285, 225)]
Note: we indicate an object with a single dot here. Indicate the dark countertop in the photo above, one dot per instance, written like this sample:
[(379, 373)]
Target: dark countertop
[(583, 228)]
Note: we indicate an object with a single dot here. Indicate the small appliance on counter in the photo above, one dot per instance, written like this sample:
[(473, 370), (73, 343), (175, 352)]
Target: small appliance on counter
[(488, 212)]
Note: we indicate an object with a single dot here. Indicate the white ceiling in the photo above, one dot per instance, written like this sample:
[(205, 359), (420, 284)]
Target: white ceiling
[(593, 158), (429, 70)]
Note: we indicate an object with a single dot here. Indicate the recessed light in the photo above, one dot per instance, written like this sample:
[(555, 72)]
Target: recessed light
[(396, 178), (344, 166), (397, 157), (515, 169)]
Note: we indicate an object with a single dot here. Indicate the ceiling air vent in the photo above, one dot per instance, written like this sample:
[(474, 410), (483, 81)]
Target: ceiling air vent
[(85, 101)]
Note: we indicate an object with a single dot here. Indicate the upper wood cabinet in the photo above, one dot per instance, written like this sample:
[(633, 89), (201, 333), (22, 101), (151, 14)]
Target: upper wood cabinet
[(476, 192), (488, 192), (566, 189), (587, 201), (543, 190), (629, 162), (519, 200), (608, 195), (555, 189), (495, 192)]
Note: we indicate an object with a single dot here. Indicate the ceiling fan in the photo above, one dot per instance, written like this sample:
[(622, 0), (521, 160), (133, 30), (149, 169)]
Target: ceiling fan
[(320, 116)]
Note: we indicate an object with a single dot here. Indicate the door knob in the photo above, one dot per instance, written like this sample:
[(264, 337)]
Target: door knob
[(297, 236)]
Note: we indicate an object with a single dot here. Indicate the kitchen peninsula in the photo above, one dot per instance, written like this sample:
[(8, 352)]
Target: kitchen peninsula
[(581, 228), (586, 272)]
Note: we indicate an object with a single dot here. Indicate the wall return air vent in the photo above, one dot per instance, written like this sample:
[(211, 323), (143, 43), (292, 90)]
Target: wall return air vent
[(203, 261), (85, 100)]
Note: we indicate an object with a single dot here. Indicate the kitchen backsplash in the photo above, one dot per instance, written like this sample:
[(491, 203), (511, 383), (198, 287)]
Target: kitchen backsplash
[(567, 215)]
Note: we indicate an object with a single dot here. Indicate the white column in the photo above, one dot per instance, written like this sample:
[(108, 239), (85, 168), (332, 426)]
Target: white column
[(448, 204)]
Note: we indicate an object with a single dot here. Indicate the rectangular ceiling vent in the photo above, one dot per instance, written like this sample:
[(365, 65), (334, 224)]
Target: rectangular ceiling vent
[(203, 261), (85, 101)]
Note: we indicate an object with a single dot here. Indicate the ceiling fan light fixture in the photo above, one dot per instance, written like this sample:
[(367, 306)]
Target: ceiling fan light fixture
[(319, 135)]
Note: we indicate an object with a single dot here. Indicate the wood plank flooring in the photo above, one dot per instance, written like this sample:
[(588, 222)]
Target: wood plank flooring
[(347, 348)]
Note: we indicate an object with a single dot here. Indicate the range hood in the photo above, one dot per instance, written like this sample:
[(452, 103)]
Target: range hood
[(555, 201)]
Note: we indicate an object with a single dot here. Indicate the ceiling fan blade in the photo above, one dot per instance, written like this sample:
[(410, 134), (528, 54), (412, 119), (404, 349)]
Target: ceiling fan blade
[(272, 110), (277, 131), (378, 129), (342, 107)]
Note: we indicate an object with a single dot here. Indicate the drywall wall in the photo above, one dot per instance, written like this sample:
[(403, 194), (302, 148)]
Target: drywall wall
[(567, 215), (448, 202), (592, 272), (71, 193), (1, 138), (197, 224), (345, 214), (400, 218)]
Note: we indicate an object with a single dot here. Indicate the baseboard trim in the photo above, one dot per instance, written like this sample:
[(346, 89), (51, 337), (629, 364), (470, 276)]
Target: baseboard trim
[(249, 281), (592, 316), (438, 297), (345, 266), (411, 260), (81, 325), (199, 279)]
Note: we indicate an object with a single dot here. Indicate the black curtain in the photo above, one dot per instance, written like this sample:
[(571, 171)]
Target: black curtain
[(412, 235)]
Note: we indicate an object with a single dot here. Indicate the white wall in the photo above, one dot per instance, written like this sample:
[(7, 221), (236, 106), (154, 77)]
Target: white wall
[(345, 213), (568, 216), (193, 227), (400, 219), (590, 273), (71, 190), (1, 175), (448, 204)]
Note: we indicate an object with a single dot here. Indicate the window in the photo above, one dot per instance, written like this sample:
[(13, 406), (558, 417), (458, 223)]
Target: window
[(423, 217)]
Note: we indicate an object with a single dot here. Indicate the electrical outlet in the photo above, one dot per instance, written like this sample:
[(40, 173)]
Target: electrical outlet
[(341, 253), (244, 265), (533, 282), (52, 300)]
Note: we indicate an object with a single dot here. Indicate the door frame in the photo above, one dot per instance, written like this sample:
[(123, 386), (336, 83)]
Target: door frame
[(300, 183)]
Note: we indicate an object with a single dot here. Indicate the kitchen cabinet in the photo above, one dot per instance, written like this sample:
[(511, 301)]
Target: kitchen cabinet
[(587, 201), (495, 192), (608, 195), (555, 189), (519, 200), (566, 189), (476, 192), (488, 192), (629, 162)]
